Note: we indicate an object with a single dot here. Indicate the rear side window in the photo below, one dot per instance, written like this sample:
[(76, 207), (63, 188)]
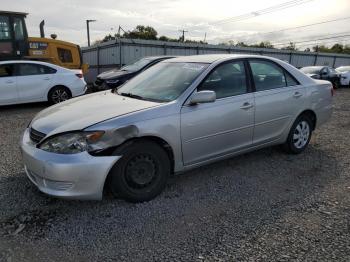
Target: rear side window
[(33, 69), (290, 80), (6, 70), (65, 55), (226, 80), (268, 75)]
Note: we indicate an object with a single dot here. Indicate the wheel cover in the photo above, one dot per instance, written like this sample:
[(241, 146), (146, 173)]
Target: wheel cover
[(59, 95), (141, 171), (301, 134)]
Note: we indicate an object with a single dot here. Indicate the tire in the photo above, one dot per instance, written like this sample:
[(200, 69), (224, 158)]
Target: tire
[(336, 85), (142, 172), (299, 135), (59, 94)]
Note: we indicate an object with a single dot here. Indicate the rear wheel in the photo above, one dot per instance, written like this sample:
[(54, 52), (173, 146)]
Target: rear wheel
[(299, 135), (59, 94), (142, 172)]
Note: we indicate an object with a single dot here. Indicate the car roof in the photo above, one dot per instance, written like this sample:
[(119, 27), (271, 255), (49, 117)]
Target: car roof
[(211, 58), (28, 62), (159, 57)]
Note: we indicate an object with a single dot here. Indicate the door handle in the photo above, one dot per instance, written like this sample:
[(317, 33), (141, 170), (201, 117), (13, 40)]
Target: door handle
[(46, 78), (9, 82), (297, 94), (246, 105)]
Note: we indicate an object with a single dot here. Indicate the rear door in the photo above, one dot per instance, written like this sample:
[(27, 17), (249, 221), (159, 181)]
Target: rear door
[(8, 87), (278, 98), (33, 81), (215, 129)]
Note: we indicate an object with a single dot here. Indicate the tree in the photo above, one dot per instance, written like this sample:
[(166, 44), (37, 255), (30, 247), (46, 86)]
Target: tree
[(241, 44), (291, 46), (142, 32)]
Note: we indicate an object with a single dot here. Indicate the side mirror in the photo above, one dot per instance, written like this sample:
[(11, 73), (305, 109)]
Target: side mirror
[(205, 96)]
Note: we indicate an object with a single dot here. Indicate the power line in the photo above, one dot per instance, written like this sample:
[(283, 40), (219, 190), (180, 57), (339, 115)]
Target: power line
[(268, 10), (303, 26), (281, 41), (312, 40), (297, 27), (344, 42)]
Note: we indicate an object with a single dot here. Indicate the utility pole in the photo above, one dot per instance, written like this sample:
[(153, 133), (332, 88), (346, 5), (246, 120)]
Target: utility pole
[(88, 29), (183, 34)]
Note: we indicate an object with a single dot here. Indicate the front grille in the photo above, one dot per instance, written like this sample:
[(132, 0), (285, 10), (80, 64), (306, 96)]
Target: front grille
[(35, 135)]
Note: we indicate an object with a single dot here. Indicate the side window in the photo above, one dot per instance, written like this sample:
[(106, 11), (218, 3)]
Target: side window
[(18, 28), (65, 55), (6, 70), (267, 75), (226, 80), (48, 70), (290, 80), (33, 69), (4, 28)]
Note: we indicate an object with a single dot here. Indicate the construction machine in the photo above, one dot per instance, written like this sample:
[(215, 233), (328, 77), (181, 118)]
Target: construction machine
[(15, 44)]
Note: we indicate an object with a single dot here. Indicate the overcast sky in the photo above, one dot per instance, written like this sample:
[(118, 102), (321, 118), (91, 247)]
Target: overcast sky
[(67, 18)]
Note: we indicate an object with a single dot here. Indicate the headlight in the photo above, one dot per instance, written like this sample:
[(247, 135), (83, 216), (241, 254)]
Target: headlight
[(112, 81), (71, 143)]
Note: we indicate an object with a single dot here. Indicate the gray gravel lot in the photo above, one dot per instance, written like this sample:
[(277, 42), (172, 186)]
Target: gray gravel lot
[(262, 206)]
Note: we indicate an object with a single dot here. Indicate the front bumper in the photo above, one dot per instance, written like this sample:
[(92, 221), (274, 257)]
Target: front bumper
[(76, 176), (344, 81)]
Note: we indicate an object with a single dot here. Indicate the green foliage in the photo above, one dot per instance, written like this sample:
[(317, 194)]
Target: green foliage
[(336, 48), (291, 47), (147, 33)]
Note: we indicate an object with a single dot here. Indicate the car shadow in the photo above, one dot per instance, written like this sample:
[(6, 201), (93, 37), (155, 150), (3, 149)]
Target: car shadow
[(39, 105)]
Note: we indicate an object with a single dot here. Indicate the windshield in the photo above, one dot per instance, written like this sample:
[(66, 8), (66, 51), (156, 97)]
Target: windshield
[(137, 65), (343, 69), (163, 82), (311, 70)]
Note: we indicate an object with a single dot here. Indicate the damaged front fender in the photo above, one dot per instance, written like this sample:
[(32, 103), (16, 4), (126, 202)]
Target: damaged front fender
[(115, 137)]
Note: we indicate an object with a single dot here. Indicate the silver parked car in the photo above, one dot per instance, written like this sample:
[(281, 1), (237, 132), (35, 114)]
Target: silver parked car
[(179, 114)]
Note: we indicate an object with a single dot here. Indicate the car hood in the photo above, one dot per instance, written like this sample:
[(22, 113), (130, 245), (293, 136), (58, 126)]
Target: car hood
[(84, 111), (112, 74), (316, 76)]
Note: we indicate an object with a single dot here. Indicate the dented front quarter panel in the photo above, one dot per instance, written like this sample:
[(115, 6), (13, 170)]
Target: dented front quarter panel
[(162, 122)]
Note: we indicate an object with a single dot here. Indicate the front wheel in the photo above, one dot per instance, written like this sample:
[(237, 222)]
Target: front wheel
[(299, 135), (142, 172)]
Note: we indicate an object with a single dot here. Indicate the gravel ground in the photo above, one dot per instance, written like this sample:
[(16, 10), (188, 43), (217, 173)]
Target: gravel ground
[(262, 206)]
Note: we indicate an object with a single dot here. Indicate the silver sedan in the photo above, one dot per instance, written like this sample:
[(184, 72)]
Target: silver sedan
[(179, 114)]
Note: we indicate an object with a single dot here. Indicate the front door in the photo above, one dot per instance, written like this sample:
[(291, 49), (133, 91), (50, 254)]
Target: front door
[(8, 88), (215, 129)]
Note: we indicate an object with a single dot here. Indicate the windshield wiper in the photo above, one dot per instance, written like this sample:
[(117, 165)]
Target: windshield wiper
[(132, 95)]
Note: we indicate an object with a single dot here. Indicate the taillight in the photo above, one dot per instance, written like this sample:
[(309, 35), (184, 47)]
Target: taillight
[(79, 75)]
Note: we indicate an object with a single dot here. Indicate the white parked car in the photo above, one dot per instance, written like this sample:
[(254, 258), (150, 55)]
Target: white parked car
[(32, 81), (345, 75)]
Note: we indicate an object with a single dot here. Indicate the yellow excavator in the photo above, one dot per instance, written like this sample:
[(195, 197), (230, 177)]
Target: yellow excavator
[(15, 44)]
